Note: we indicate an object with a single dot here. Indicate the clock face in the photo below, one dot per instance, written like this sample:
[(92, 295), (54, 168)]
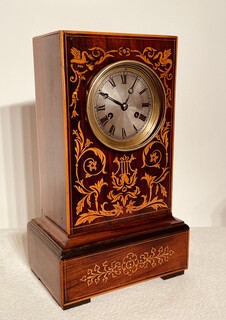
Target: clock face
[(126, 105)]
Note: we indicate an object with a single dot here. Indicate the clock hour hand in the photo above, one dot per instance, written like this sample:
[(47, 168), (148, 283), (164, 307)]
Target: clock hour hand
[(106, 96), (127, 99)]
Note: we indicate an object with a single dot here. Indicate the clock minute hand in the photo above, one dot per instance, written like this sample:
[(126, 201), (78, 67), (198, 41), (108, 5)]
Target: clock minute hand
[(115, 101), (106, 96)]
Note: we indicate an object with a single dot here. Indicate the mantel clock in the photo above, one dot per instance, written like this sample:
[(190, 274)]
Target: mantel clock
[(105, 122)]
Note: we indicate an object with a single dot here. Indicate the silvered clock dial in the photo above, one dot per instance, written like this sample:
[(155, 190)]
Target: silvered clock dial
[(126, 105)]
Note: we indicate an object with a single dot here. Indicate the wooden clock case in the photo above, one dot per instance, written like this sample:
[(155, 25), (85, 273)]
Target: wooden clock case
[(106, 215)]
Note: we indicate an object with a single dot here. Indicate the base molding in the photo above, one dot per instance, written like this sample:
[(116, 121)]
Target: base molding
[(74, 276)]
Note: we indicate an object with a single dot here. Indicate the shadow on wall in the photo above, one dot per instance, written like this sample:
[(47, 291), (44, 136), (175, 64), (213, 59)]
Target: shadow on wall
[(219, 215), (20, 164)]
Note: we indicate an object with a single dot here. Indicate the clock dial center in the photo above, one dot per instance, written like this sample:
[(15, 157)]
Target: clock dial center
[(124, 106), (123, 94)]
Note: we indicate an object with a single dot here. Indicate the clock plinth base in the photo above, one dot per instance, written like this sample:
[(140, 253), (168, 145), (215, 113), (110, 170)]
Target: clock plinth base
[(73, 273)]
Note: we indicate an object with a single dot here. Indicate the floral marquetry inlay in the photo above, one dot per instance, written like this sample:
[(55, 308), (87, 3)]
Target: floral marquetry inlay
[(125, 192), (126, 195), (130, 264), (84, 61)]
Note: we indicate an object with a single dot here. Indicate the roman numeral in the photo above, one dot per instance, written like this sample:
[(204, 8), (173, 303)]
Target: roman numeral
[(135, 128), (123, 77), (112, 130), (142, 117), (104, 120), (112, 82), (123, 133), (100, 108), (142, 91), (145, 104)]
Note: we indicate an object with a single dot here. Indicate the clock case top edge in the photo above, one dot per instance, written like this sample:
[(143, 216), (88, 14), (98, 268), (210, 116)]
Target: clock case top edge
[(117, 34)]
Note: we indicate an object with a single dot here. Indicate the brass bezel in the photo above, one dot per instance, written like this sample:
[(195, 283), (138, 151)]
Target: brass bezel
[(159, 105)]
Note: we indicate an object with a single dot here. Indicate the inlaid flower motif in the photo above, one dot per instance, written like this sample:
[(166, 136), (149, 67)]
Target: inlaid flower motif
[(153, 157), (130, 264), (127, 266), (124, 51), (116, 268), (92, 165)]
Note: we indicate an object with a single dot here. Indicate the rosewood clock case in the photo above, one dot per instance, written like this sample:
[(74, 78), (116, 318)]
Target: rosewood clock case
[(106, 218)]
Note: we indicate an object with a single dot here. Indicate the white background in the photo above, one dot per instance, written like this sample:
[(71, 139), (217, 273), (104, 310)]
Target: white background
[(199, 196)]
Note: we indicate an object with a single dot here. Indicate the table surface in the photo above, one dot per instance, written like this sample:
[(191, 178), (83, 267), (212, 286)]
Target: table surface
[(198, 294)]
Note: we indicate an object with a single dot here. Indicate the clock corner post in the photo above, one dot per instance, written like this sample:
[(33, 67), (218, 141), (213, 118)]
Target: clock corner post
[(51, 123)]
